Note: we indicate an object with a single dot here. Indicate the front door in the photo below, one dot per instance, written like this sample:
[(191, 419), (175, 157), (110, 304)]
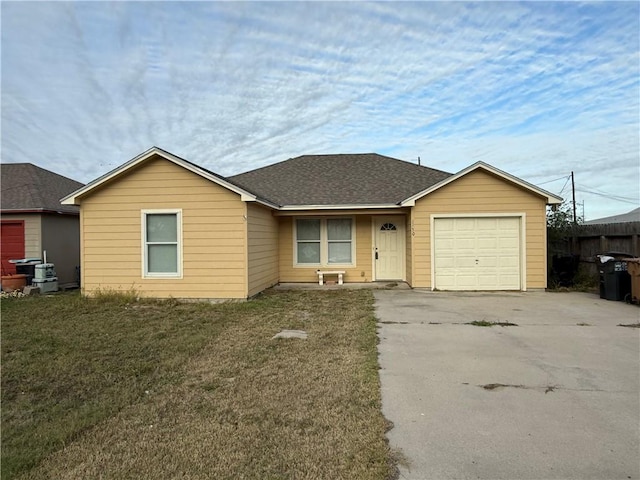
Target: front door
[(389, 248)]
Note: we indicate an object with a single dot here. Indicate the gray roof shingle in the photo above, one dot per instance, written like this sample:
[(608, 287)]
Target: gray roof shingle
[(632, 216), (28, 187), (342, 179)]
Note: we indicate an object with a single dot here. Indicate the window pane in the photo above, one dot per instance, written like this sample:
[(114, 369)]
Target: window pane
[(308, 229), (340, 252), (339, 229), (308, 252), (162, 259), (162, 227)]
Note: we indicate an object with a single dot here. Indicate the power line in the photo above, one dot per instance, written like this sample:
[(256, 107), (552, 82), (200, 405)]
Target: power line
[(611, 197), (555, 180), (565, 184), (595, 190)]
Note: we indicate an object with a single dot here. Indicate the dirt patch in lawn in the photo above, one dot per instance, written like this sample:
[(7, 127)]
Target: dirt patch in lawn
[(193, 391)]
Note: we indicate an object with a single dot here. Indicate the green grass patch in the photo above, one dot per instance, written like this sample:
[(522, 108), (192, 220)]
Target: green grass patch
[(485, 323), (118, 388)]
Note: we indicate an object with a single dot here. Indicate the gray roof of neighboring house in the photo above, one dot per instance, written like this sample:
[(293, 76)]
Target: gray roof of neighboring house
[(632, 216), (28, 187), (343, 179)]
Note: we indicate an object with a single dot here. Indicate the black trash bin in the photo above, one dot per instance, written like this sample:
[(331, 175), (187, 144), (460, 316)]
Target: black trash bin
[(27, 269), (615, 281)]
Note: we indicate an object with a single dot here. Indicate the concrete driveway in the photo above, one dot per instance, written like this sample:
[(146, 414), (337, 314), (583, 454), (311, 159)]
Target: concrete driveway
[(555, 397)]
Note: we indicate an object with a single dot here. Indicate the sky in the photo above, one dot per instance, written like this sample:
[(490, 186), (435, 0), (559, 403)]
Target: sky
[(536, 89)]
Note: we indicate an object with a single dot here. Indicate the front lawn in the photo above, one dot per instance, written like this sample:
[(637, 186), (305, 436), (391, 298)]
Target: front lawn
[(112, 388)]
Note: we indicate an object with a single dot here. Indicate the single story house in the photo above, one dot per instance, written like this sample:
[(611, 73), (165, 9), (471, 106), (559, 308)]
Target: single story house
[(33, 220), (165, 227)]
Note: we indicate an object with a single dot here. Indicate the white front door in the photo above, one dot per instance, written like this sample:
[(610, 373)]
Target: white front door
[(389, 248)]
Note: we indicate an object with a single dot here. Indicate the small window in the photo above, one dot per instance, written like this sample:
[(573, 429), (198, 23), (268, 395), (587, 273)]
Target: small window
[(339, 240), (161, 238), (387, 227), (308, 240)]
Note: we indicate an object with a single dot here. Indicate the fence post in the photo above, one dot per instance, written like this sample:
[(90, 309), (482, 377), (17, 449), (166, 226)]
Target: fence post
[(604, 243)]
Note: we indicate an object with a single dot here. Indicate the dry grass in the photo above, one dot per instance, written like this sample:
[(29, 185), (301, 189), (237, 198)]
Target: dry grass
[(148, 390)]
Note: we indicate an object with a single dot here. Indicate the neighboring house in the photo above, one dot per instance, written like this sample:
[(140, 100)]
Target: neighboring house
[(33, 220), (632, 216), (165, 227)]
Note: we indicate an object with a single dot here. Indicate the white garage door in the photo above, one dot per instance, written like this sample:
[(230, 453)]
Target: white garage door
[(479, 253)]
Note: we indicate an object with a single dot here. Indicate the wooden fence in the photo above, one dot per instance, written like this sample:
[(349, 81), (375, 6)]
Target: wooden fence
[(587, 241), (590, 240)]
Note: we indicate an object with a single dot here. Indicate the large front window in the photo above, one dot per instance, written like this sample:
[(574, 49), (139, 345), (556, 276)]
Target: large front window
[(161, 249), (324, 241)]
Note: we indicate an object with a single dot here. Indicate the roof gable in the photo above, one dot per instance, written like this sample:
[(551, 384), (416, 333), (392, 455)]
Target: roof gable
[(154, 152), (355, 180), (551, 199), (27, 187)]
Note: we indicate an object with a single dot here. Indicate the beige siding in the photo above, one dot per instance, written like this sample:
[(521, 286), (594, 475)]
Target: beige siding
[(213, 234), (262, 234), (481, 192), (408, 248), (360, 272), (61, 240)]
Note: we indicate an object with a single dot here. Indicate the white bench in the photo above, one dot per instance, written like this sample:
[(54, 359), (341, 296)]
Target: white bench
[(322, 273)]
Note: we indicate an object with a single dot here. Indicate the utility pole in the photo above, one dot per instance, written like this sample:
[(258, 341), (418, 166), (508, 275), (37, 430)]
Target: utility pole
[(573, 192)]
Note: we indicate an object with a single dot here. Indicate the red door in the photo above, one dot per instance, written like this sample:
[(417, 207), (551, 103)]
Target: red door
[(11, 243)]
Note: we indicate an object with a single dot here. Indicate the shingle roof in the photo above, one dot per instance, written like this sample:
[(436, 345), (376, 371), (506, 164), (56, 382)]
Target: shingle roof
[(632, 216), (344, 179), (28, 187)]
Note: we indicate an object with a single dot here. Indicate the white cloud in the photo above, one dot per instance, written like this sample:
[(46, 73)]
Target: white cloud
[(537, 89)]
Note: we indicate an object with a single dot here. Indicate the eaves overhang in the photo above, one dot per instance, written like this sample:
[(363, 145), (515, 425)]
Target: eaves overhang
[(15, 211), (354, 206)]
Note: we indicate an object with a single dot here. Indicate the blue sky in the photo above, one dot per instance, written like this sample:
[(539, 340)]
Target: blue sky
[(536, 89)]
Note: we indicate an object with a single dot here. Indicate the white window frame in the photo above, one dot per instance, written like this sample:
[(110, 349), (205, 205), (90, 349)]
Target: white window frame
[(145, 258), (324, 243)]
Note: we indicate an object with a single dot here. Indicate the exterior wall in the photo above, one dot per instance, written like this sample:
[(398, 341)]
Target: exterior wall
[(61, 240), (32, 232), (213, 234), (360, 272), (262, 235), (481, 192), (408, 248)]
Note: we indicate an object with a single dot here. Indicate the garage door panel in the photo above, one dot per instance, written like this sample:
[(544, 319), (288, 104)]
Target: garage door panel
[(464, 244), (477, 253), (445, 262), (465, 281), (488, 280), (488, 224), (504, 262), (486, 243), (464, 262), (464, 225), (488, 262)]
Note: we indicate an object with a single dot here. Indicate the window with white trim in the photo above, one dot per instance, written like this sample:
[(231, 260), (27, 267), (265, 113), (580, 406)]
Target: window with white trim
[(162, 249), (324, 241)]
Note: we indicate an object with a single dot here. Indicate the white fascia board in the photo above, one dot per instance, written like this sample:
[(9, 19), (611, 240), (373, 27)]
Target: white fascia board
[(551, 198), (245, 196), (338, 207)]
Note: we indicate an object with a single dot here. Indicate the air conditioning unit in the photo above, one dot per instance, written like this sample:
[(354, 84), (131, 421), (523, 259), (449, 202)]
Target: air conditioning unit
[(45, 278), (44, 271)]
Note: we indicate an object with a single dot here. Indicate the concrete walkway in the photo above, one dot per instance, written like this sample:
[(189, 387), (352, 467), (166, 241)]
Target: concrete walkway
[(556, 397)]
